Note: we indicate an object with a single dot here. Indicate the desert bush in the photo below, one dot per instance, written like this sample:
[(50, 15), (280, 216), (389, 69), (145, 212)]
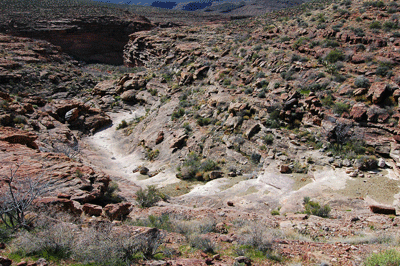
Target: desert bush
[(334, 55), (255, 158), (375, 25), (193, 167), (385, 258), (208, 165), (275, 212), (160, 222), (111, 195), (359, 32), (204, 121), (390, 25), (384, 69), (4, 105), (122, 125), (312, 207), (103, 245), (19, 119), (187, 127), (299, 168), (362, 82), (268, 139), (340, 108), (254, 234), (202, 243), (54, 241), (374, 4), (151, 154), (149, 197), (178, 114)]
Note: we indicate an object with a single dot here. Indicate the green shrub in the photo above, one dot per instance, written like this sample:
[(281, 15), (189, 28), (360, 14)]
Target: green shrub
[(299, 168), (375, 25), (187, 127), (122, 125), (389, 25), (4, 105), (19, 119), (340, 108), (162, 222), (153, 92), (268, 139), (384, 69), (312, 207), (193, 167), (362, 82), (149, 197), (178, 114), (275, 212), (204, 121), (151, 154), (386, 258), (334, 56), (208, 165)]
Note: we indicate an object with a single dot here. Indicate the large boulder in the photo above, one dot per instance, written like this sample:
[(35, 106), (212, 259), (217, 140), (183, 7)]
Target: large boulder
[(14, 135), (359, 112), (377, 92), (117, 211), (382, 209), (92, 209), (5, 261), (60, 204)]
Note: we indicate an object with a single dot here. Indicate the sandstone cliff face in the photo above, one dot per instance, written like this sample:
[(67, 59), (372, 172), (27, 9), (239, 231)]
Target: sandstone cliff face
[(90, 39)]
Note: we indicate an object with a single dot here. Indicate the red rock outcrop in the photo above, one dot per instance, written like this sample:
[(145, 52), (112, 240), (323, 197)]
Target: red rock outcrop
[(14, 135), (117, 211), (87, 38)]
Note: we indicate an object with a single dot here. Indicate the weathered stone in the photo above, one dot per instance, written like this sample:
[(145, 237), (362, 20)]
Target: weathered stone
[(92, 209), (284, 169), (5, 261), (382, 209), (216, 174), (377, 91), (60, 204), (143, 170), (252, 130), (381, 163), (104, 88), (243, 259), (129, 96), (160, 137), (359, 112), (179, 141), (42, 262), (72, 115), (14, 135), (117, 211)]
